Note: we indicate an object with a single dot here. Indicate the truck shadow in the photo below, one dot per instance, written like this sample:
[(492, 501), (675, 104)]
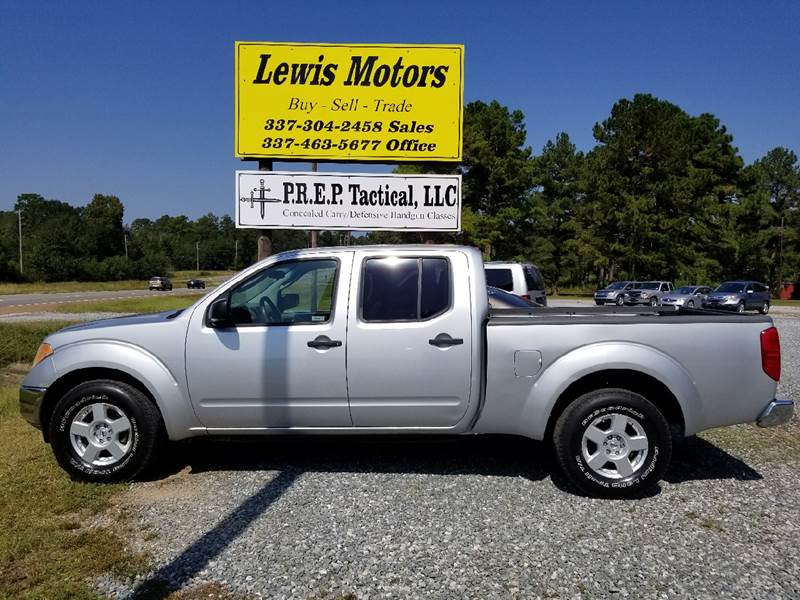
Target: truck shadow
[(693, 459), (486, 455), (696, 459)]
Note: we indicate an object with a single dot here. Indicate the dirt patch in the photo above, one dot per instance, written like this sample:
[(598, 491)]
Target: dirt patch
[(14, 373), (177, 486)]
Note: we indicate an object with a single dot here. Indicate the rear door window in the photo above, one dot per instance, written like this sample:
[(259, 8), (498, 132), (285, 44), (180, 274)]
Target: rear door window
[(405, 289), (500, 278), (533, 279)]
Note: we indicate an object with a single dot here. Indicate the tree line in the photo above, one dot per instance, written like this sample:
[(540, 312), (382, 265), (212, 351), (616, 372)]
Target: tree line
[(662, 195)]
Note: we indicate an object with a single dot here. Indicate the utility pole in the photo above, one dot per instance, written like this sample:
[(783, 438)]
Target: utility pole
[(265, 235), (197, 256), (314, 233), (125, 238), (19, 223)]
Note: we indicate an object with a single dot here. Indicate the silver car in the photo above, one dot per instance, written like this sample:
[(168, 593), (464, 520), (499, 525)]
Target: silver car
[(690, 296), (614, 293), (647, 292)]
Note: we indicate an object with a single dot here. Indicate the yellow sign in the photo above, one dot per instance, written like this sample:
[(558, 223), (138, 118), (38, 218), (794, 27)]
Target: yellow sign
[(349, 102)]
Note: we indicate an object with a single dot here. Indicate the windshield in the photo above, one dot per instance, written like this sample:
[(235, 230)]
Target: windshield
[(617, 285), (685, 290), (649, 285), (731, 286)]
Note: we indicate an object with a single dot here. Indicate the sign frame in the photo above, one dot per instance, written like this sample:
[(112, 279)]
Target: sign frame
[(305, 226), (346, 156)]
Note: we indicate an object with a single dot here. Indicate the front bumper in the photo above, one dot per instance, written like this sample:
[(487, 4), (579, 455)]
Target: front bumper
[(777, 412), (721, 304), (635, 301), (30, 404)]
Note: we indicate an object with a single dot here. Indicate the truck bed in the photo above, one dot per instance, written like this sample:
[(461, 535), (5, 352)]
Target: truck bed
[(710, 361)]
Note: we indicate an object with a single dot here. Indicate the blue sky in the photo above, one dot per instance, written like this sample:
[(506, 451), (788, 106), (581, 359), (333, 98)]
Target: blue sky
[(136, 98)]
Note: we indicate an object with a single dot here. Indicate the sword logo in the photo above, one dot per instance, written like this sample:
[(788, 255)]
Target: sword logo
[(261, 197)]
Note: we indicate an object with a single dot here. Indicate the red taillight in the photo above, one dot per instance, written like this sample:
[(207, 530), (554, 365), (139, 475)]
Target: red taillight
[(525, 296), (771, 353)]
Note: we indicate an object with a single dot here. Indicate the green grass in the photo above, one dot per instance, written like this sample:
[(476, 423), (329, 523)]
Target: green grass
[(147, 304), (19, 341), (787, 303), (179, 279), (50, 544)]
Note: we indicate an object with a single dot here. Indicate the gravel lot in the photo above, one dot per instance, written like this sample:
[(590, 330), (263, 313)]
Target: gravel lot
[(471, 518)]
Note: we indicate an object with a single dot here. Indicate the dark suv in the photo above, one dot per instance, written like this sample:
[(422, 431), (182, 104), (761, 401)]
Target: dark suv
[(739, 296)]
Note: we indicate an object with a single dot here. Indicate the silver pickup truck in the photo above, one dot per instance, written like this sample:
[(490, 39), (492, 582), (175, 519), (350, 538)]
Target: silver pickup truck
[(394, 340)]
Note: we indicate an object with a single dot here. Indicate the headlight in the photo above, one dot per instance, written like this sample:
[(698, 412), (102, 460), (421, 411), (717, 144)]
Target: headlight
[(43, 352)]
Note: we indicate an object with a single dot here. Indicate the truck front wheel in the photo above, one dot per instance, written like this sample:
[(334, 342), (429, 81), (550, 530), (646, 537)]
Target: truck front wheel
[(612, 443), (105, 431)]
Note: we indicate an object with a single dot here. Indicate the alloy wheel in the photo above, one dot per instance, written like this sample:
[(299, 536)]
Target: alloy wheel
[(101, 434), (615, 446)]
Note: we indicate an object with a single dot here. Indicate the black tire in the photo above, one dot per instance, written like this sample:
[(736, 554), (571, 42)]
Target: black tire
[(151, 289), (599, 303), (690, 304), (653, 301), (764, 308), (740, 307), (620, 301), (592, 408), (146, 431)]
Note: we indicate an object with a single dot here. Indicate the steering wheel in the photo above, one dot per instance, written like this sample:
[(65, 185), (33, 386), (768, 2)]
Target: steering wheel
[(269, 310)]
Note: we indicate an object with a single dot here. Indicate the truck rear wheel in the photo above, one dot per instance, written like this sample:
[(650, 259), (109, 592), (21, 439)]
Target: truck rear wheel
[(612, 443), (105, 431)]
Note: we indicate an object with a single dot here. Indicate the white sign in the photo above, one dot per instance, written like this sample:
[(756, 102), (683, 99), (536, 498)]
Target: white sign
[(364, 202)]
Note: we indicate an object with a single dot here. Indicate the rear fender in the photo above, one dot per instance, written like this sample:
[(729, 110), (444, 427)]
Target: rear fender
[(593, 358)]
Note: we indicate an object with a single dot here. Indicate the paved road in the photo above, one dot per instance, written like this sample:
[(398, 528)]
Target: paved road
[(37, 302)]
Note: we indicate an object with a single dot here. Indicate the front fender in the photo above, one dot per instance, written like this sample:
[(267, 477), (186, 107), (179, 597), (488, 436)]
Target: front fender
[(583, 361), (170, 397)]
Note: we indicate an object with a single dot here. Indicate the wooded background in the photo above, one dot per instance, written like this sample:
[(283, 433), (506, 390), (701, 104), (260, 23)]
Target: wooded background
[(662, 195)]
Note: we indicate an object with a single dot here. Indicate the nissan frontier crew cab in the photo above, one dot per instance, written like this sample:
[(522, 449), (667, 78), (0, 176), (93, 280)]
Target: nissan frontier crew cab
[(393, 340)]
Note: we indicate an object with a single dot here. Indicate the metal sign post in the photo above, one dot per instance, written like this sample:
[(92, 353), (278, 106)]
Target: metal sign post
[(265, 235)]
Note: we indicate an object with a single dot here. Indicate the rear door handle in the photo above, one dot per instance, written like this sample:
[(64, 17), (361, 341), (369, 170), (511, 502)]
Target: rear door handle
[(323, 342), (444, 340)]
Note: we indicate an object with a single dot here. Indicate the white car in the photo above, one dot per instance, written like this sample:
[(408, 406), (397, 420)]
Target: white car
[(522, 279)]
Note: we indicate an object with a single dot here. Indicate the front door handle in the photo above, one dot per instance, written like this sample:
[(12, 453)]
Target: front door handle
[(443, 340), (323, 342)]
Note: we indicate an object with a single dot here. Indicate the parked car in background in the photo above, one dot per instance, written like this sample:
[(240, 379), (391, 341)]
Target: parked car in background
[(690, 296), (647, 292), (740, 296), (613, 292), (160, 283), (522, 279), (502, 299), (196, 284)]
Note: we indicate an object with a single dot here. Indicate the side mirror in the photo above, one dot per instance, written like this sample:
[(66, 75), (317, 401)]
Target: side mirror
[(219, 314), (287, 301)]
